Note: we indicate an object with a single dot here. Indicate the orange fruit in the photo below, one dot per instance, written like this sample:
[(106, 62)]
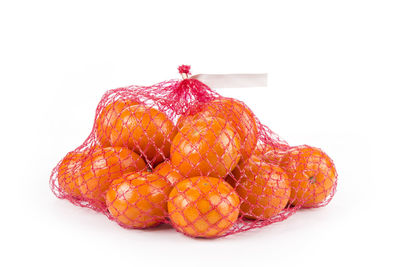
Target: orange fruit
[(237, 114), (264, 188), (147, 131), (69, 172), (259, 155), (169, 172), (208, 147), (263, 148), (104, 165), (273, 155), (105, 122), (312, 175), (203, 206), (138, 200)]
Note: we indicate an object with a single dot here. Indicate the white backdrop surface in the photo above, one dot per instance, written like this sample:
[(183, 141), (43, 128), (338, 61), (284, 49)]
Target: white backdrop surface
[(333, 71)]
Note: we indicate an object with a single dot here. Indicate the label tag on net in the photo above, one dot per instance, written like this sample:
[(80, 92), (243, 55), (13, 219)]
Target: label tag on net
[(233, 80)]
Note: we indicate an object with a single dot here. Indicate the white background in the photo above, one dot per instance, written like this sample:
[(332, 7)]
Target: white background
[(333, 77)]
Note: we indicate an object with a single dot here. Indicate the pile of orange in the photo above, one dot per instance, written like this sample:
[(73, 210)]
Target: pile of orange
[(201, 174)]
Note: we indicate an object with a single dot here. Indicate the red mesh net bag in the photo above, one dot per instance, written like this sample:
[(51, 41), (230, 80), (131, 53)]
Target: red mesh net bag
[(179, 153)]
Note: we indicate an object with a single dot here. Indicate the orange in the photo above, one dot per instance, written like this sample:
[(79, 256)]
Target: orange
[(147, 131), (237, 114), (69, 172), (203, 206), (264, 188), (105, 122), (263, 148), (260, 154), (138, 200), (312, 175), (104, 165), (208, 147), (273, 155), (270, 152), (167, 170)]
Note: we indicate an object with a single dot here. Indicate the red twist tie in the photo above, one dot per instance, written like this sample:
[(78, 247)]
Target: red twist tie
[(184, 70)]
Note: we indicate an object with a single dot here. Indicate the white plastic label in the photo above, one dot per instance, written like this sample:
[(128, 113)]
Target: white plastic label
[(232, 80)]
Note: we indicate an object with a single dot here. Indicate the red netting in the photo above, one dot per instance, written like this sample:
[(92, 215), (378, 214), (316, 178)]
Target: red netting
[(179, 153)]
